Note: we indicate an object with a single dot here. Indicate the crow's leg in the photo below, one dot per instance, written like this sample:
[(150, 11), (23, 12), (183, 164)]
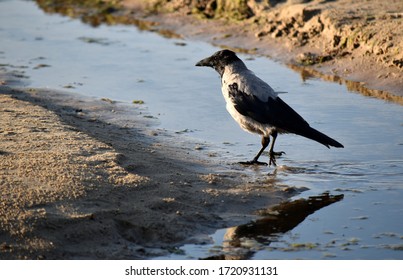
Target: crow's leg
[(254, 161), (272, 154)]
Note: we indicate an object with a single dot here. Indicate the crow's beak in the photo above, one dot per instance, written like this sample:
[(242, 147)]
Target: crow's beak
[(205, 62)]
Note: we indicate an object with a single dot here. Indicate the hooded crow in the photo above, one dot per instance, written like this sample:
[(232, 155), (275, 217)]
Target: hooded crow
[(256, 107)]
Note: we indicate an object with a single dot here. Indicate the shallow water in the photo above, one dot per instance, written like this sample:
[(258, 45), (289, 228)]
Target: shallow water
[(125, 64)]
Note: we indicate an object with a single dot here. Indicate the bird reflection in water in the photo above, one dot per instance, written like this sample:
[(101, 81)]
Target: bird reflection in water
[(276, 220)]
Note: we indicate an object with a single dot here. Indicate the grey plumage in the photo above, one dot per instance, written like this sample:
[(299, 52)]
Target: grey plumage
[(256, 106)]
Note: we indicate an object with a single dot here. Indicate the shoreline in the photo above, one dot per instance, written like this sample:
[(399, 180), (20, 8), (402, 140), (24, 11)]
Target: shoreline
[(359, 45), (369, 60), (83, 178)]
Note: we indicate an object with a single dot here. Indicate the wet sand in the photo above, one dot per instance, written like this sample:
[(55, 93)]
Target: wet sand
[(91, 179)]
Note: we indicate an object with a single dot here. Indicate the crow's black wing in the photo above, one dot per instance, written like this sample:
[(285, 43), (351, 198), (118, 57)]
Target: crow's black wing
[(273, 112)]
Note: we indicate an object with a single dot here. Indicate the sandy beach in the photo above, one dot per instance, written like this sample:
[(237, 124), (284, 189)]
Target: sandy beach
[(84, 178), (91, 179)]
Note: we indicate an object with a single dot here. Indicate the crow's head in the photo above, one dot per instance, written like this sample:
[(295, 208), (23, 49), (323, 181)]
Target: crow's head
[(219, 60)]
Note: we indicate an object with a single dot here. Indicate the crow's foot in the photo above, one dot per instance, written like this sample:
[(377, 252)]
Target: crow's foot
[(252, 162), (273, 156)]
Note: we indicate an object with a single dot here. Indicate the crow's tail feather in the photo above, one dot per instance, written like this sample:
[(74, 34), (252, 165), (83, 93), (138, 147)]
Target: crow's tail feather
[(318, 136)]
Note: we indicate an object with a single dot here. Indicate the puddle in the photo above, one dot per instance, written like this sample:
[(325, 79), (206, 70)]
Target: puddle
[(126, 64)]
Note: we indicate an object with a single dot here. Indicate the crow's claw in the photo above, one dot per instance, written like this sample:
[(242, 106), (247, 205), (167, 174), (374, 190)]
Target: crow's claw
[(273, 157), (252, 162)]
